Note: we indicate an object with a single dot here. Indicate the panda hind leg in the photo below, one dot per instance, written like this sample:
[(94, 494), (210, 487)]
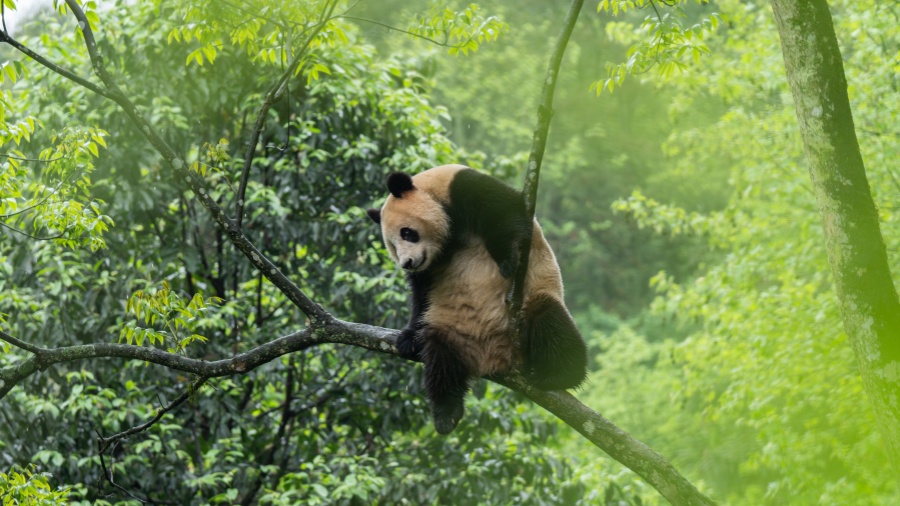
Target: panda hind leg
[(446, 381), (554, 352)]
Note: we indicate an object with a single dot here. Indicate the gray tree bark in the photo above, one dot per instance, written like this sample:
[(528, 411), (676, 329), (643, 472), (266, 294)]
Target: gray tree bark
[(869, 304)]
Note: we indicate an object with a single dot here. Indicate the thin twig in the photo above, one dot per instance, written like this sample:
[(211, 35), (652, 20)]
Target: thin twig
[(3, 16), (407, 32), (22, 159), (253, 14), (273, 95), (108, 474), (36, 238), (103, 443), (21, 344), (29, 208)]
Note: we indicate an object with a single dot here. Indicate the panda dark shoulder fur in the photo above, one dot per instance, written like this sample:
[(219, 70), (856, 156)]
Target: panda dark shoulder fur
[(486, 207)]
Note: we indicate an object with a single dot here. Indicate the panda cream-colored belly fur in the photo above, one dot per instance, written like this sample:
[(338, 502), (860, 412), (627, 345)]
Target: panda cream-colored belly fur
[(543, 277), (471, 306), (468, 307)]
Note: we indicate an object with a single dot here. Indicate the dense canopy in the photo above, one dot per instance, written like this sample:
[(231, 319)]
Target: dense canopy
[(675, 191)]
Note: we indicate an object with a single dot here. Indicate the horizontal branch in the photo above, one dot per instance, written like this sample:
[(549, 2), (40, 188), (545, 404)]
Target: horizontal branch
[(620, 445), (364, 336)]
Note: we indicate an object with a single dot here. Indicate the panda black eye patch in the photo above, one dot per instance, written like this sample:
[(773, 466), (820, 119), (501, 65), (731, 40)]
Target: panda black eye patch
[(408, 234)]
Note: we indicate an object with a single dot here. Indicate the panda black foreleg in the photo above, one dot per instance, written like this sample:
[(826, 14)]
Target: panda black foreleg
[(503, 230), (504, 247), (446, 381), (554, 352), (487, 208), (409, 343)]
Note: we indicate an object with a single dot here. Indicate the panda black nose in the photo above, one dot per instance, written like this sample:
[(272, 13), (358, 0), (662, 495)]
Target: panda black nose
[(408, 264)]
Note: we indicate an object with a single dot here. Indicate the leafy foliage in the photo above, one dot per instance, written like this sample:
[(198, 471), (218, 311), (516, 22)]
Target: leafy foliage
[(167, 309), (316, 425), (690, 188), (460, 31), (763, 398), (662, 39), (25, 486)]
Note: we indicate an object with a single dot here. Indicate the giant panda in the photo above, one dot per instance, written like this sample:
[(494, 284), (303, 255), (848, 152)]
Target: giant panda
[(456, 232)]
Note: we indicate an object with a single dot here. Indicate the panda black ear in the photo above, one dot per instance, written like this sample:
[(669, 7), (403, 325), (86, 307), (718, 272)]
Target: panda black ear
[(375, 214), (399, 183)]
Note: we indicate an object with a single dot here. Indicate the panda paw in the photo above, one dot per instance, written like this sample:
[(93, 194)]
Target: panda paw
[(509, 264), (447, 416), (409, 345), (507, 268)]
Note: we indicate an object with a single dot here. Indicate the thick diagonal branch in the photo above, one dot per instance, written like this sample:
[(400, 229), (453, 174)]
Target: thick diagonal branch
[(312, 310)]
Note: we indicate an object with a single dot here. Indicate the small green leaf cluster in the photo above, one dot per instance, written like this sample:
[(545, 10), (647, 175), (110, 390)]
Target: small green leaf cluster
[(462, 32), (171, 319), (49, 196), (10, 71), (662, 40), (328, 481), (27, 486), (662, 218)]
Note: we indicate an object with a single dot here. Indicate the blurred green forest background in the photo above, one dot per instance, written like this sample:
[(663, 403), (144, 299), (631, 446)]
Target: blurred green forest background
[(679, 207)]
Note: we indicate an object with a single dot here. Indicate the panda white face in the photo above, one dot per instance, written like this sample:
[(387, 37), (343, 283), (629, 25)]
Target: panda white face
[(413, 239), (414, 226)]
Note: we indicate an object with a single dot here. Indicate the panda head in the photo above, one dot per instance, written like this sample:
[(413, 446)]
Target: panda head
[(414, 224)]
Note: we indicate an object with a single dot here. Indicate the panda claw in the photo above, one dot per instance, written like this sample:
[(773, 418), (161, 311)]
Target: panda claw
[(409, 345)]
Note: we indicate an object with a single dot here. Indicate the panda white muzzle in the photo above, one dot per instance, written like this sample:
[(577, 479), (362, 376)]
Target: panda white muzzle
[(412, 265)]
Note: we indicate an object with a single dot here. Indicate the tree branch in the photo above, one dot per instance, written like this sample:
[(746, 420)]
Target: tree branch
[(35, 237), (7, 38), (312, 310), (407, 32), (536, 157), (103, 443), (273, 95), (21, 344), (365, 336), (620, 445)]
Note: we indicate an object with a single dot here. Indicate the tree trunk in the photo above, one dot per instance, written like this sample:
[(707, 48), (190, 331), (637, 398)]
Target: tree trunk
[(869, 304)]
